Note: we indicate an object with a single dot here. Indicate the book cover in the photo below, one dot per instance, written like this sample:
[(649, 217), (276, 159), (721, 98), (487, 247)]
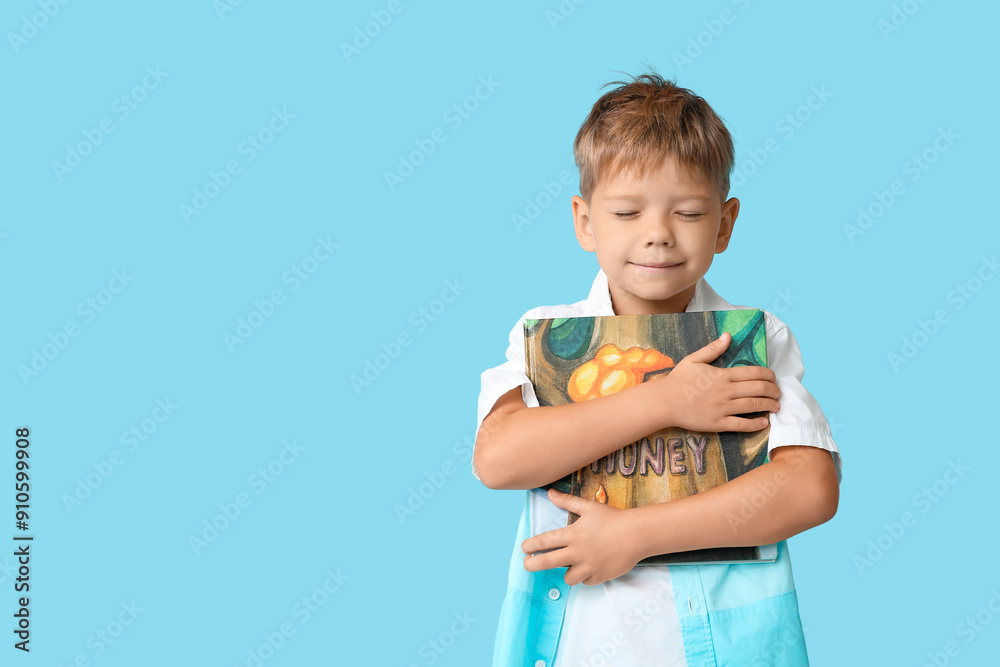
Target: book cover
[(581, 358)]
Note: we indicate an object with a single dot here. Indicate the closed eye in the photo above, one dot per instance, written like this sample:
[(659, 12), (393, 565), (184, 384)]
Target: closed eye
[(625, 215)]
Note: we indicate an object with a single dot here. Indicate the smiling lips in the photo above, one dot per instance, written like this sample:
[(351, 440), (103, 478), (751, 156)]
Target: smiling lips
[(657, 265)]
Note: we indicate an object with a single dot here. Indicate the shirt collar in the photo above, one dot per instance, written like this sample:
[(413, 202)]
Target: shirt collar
[(705, 298)]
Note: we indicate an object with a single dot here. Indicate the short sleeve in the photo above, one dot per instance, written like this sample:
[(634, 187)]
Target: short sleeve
[(800, 421), (495, 382)]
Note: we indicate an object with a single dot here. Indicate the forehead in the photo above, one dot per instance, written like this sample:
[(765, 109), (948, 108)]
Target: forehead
[(667, 174)]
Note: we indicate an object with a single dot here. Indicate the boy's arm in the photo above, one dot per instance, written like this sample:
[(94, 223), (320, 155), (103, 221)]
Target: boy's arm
[(522, 448), (797, 490)]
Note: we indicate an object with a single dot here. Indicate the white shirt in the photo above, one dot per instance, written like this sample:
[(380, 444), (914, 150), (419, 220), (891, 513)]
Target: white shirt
[(632, 620)]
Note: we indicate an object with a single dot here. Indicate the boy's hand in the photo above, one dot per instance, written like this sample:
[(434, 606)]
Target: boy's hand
[(598, 546), (705, 398)]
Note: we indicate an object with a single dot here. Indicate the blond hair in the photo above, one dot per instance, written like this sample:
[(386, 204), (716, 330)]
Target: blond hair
[(637, 125)]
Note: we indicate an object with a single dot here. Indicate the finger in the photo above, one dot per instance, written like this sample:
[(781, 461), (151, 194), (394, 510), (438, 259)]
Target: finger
[(744, 424), (538, 563), (756, 389), (748, 373), (552, 539), (549, 560), (760, 388), (568, 501), (574, 576), (742, 406), (711, 352), (578, 573)]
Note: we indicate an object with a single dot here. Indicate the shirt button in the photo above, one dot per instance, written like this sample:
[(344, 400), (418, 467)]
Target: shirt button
[(553, 595), (539, 663)]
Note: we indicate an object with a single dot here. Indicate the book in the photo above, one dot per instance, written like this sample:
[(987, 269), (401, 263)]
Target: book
[(582, 358)]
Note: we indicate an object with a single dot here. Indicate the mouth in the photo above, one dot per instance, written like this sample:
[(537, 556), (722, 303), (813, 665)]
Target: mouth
[(656, 265)]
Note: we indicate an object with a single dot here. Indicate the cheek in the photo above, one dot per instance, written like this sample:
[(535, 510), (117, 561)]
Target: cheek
[(608, 245), (702, 243)]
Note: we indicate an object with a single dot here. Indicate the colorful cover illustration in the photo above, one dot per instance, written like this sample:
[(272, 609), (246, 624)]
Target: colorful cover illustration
[(582, 358)]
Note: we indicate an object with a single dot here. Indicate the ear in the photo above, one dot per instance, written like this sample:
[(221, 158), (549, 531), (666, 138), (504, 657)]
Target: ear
[(730, 210), (581, 223)]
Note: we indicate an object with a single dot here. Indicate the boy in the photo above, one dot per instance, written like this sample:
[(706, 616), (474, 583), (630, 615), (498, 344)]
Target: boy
[(654, 164)]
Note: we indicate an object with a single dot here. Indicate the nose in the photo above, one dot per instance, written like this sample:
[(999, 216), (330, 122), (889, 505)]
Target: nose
[(658, 231)]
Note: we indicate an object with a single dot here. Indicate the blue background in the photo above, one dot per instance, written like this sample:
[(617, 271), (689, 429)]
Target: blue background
[(404, 578)]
